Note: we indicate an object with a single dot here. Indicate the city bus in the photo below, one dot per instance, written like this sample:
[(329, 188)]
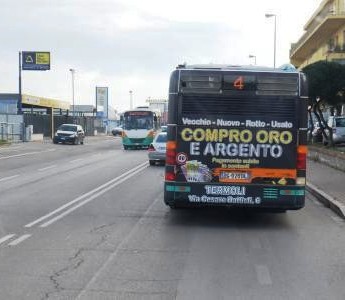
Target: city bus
[(139, 127), (237, 137)]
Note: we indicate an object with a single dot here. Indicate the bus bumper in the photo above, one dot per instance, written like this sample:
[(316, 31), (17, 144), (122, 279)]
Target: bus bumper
[(252, 196)]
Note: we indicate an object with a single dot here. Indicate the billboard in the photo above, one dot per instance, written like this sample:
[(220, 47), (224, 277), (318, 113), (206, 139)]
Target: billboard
[(102, 99), (35, 61)]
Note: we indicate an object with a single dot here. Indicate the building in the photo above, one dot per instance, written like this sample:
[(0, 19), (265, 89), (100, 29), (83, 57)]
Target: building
[(31, 104), (162, 106), (324, 37)]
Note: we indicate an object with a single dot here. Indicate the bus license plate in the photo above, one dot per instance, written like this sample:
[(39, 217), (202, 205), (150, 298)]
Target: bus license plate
[(234, 175)]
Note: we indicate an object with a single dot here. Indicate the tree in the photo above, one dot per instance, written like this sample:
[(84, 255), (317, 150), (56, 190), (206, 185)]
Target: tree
[(326, 81)]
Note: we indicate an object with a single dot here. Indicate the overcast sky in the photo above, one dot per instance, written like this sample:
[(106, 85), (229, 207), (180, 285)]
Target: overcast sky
[(135, 44)]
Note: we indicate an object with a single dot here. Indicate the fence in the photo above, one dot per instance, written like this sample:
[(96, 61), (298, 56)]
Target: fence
[(11, 127), (42, 123)]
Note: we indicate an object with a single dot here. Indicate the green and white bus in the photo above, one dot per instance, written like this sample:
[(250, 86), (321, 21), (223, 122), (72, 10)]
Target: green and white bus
[(237, 136), (139, 127)]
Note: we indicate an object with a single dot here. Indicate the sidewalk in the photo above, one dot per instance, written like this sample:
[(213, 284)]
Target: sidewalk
[(327, 184)]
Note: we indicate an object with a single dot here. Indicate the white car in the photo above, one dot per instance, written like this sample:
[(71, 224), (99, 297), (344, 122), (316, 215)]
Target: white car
[(337, 123), (117, 131)]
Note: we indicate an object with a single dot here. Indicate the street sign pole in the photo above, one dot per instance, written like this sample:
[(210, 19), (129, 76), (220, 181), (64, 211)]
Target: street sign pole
[(19, 105)]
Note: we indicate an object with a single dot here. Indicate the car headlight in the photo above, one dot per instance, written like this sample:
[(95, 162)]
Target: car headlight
[(73, 135)]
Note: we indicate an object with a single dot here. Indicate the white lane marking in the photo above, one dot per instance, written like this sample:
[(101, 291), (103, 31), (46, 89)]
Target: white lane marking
[(75, 160), (6, 238), (8, 178), (94, 196), (10, 149), (27, 153), (85, 195), (47, 168), (263, 275), (113, 255), (19, 240)]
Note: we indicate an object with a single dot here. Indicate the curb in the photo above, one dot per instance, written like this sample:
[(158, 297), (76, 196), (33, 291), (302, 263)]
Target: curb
[(327, 200)]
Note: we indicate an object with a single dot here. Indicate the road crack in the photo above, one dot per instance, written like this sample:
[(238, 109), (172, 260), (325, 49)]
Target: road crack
[(74, 263)]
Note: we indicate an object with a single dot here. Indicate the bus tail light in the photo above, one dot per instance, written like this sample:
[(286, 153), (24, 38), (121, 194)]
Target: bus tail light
[(171, 153), (170, 161), (301, 158), (301, 165), (170, 176)]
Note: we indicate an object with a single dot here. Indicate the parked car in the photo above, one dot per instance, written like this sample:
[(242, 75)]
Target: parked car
[(117, 130), (164, 128), (69, 133), (337, 123), (157, 149)]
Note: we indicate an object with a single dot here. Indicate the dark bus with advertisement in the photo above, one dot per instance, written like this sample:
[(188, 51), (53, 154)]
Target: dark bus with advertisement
[(237, 136)]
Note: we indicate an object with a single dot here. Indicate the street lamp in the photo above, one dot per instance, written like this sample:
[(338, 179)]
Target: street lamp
[(275, 39), (253, 56), (131, 99), (72, 73)]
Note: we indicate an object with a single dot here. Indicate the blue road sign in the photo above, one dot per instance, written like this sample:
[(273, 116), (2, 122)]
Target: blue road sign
[(35, 61)]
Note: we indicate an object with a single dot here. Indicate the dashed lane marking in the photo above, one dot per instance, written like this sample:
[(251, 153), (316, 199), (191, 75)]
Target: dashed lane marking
[(19, 240), (75, 160), (6, 238), (47, 168), (8, 178), (26, 154)]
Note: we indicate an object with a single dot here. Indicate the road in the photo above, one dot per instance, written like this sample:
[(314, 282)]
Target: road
[(88, 222)]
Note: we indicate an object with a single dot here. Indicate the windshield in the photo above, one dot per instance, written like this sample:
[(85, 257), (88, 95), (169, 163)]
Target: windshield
[(161, 138), (340, 122), (67, 128), (138, 122)]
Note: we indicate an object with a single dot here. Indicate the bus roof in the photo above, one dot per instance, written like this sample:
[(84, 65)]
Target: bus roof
[(222, 67)]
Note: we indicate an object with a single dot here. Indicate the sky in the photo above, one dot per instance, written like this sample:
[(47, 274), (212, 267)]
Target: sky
[(134, 45)]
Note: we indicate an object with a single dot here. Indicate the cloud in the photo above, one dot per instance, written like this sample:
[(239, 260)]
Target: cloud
[(134, 44)]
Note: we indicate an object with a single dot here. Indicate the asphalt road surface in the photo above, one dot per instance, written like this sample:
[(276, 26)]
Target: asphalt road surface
[(89, 222)]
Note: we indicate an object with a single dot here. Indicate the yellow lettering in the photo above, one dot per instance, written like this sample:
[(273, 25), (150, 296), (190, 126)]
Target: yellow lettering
[(211, 135), (262, 136), (234, 135), (187, 134), (199, 135), (246, 136), (274, 137), (285, 137), (223, 133)]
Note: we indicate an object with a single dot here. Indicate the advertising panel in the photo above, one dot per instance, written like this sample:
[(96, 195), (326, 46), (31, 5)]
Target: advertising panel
[(102, 99), (35, 61), (224, 150)]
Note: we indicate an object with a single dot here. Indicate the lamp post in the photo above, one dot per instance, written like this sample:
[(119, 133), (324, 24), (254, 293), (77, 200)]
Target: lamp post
[(275, 39), (72, 73), (131, 99), (253, 56)]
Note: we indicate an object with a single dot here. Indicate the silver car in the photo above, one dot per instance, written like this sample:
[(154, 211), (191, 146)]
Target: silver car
[(157, 149), (337, 123)]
